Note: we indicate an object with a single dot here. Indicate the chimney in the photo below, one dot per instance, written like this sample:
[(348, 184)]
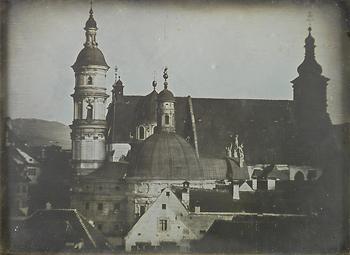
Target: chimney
[(241, 155), (235, 149), (235, 190), (229, 151), (255, 183), (185, 196), (197, 207), (271, 184)]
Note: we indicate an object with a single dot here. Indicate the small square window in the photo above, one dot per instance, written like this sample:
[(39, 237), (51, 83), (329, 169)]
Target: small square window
[(163, 206), (167, 193)]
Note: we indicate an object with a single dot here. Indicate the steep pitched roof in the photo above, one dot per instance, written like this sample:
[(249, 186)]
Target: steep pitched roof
[(264, 126), (50, 230)]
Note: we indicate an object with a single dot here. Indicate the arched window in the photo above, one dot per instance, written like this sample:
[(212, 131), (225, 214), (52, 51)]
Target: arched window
[(299, 177), (167, 120), (89, 112), (142, 133), (89, 80)]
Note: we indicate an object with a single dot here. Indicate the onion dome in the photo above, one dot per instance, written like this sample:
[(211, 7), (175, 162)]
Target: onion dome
[(166, 95), (166, 156), (90, 54), (146, 111), (309, 65), (91, 23)]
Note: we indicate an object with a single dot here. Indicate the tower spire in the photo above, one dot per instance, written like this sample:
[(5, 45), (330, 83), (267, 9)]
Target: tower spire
[(90, 28), (116, 73)]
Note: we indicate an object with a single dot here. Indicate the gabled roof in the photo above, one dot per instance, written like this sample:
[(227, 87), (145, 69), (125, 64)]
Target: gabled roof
[(51, 230)]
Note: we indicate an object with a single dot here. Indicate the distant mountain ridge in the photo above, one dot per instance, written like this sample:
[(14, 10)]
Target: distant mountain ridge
[(38, 132)]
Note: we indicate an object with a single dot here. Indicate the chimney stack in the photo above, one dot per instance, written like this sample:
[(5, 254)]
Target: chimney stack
[(185, 196), (197, 207), (235, 190)]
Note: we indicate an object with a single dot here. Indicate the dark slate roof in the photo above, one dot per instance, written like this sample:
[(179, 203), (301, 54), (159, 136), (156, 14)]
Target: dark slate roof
[(51, 230), (256, 202), (270, 172), (215, 169), (146, 110), (110, 171), (264, 126), (166, 96), (166, 156), (90, 56), (235, 172)]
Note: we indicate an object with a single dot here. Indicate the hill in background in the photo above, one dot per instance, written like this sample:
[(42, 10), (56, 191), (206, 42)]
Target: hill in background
[(37, 132)]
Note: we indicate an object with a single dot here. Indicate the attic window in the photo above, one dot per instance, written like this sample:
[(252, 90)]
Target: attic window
[(89, 80), (167, 193), (163, 206)]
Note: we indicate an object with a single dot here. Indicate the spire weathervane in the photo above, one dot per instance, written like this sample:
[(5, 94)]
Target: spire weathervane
[(309, 19), (165, 76)]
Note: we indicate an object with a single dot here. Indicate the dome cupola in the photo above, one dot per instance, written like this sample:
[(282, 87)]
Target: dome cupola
[(309, 65), (90, 54)]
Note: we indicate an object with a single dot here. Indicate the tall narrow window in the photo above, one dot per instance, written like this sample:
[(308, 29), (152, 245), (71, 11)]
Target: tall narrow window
[(100, 206), (87, 206), (142, 133), (142, 210), (80, 110), (89, 112), (167, 119), (89, 80), (163, 225)]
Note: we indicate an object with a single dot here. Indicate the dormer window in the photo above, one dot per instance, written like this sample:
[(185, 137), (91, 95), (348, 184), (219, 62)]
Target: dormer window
[(89, 82), (141, 133)]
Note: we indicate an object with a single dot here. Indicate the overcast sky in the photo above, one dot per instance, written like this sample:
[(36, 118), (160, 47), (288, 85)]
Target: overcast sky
[(212, 49)]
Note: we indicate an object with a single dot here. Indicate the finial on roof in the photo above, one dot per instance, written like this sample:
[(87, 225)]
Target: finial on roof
[(115, 72), (91, 11), (154, 84), (165, 76)]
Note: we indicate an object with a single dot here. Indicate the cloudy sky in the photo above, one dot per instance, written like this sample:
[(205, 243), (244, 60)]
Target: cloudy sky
[(212, 49)]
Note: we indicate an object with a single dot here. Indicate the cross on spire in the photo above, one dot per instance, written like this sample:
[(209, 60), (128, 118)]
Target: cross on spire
[(309, 18)]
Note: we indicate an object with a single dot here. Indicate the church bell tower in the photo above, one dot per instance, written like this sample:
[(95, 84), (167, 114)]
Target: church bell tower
[(89, 121)]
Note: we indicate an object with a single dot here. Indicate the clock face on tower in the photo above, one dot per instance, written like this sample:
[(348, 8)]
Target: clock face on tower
[(143, 188)]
